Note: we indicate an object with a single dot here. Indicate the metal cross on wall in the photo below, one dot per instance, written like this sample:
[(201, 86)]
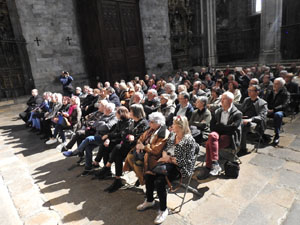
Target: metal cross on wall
[(37, 41), (68, 39)]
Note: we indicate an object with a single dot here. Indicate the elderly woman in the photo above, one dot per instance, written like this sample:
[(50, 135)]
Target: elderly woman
[(201, 118), (167, 106), (120, 151), (170, 89), (56, 100), (151, 142), (179, 153), (214, 101), (233, 87), (70, 119)]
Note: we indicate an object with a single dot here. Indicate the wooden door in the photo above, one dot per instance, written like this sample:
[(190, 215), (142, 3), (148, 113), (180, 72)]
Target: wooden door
[(116, 27)]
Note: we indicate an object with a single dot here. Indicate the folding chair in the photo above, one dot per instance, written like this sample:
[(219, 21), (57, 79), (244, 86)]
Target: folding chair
[(187, 186)]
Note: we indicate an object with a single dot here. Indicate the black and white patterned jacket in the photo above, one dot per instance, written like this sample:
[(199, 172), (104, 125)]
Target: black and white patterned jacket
[(184, 153)]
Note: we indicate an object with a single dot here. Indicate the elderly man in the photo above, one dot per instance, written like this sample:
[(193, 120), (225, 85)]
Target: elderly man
[(102, 126), (113, 97), (184, 108), (226, 132), (197, 91), (33, 102), (254, 111), (152, 102), (88, 129), (278, 101)]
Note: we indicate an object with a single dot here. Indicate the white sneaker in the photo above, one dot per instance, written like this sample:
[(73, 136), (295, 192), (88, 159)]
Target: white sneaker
[(161, 217), (145, 205), (51, 141)]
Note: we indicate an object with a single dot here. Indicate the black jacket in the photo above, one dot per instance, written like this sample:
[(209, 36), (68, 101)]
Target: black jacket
[(114, 98), (279, 101), (137, 129), (34, 102), (120, 131), (151, 106), (233, 127)]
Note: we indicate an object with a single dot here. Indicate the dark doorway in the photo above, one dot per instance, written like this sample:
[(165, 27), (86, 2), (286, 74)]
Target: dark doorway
[(290, 30), (12, 80), (111, 38)]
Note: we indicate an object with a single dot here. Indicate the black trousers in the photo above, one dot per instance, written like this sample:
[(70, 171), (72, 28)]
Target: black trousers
[(117, 155), (79, 136), (159, 182), (46, 127)]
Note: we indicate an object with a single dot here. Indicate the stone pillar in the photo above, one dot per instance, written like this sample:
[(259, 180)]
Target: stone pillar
[(156, 36), (270, 33), (208, 11)]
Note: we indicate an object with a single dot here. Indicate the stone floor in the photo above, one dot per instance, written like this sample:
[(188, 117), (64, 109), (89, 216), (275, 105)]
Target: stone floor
[(39, 186)]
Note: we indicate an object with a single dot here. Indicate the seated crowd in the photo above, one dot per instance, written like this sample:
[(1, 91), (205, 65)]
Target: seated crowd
[(155, 121)]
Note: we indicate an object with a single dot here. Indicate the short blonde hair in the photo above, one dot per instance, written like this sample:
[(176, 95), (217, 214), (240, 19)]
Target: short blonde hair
[(182, 122)]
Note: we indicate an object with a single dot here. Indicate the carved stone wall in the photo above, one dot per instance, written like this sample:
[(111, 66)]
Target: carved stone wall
[(52, 22)]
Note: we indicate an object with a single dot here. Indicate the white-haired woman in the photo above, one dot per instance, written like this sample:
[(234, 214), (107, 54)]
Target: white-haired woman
[(151, 142), (179, 154), (170, 89), (56, 100), (70, 119)]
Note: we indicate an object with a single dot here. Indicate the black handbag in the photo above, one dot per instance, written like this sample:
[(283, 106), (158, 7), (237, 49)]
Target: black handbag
[(232, 169), (163, 168)]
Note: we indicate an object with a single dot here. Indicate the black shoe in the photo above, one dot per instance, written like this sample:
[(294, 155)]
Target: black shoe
[(137, 183), (95, 166), (80, 160), (276, 139), (64, 149), (86, 172), (242, 152), (116, 185), (103, 173), (33, 129)]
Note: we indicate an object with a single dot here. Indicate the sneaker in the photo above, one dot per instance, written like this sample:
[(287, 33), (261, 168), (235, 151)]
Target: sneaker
[(51, 141), (161, 217), (145, 205), (215, 170), (116, 185), (276, 139), (86, 172)]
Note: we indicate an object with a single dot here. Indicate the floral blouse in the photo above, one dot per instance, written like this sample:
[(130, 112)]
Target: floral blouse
[(184, 152)]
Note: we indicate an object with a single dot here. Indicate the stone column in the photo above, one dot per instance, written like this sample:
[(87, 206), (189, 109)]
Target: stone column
[(156, 36), (208, 11), (270, 32)]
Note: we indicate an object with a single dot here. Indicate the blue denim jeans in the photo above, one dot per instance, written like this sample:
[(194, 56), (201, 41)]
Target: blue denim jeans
[(88, 145), (278, 121)]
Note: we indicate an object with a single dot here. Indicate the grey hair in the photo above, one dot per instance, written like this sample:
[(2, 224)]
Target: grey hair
[(171, 86), (165, 96), (281, 80), (185, 95), (231, 75), (153, 91), (58, 96), (110, 90), (158, 118), (256, 80), (228, 95), (284, 72), (111, 106), (203, 99), (141, 96), (197, 74)]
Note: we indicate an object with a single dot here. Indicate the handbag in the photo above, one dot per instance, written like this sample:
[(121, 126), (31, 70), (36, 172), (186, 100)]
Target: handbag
[(232, 169), (166, 170)]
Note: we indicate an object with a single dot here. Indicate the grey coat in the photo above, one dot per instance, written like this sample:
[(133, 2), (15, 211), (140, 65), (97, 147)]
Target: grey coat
[(201, 119), (261, 109)]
